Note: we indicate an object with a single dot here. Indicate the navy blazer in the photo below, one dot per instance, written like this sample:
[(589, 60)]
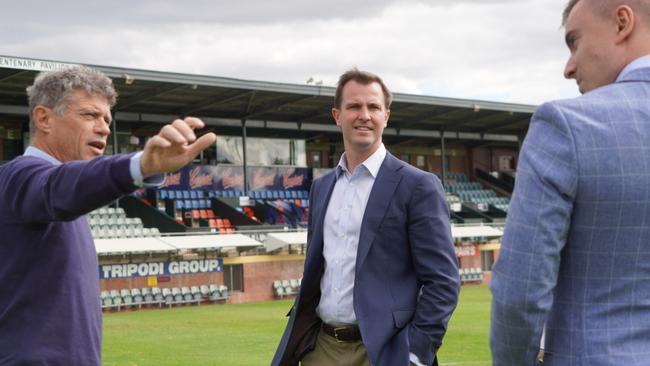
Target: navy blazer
[(575, 254), (406, 277)]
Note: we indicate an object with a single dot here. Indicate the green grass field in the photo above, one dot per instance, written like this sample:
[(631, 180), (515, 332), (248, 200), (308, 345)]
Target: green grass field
[(247, 334)]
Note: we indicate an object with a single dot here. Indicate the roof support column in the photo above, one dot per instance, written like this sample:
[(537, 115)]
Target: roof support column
[(243, 133), (115, 147), (443, 158)]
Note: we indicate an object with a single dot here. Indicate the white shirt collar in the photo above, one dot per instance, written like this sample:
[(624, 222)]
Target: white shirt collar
[(34, 151), (639, 63), (372, 164)]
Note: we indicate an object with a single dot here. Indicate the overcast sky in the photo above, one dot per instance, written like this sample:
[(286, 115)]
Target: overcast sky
[(498, 50)]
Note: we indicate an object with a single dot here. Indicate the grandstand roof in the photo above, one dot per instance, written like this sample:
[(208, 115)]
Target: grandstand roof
[(131, 245), (172, 243), (210, 241), (278, 240), (462, 232), (279, 109)]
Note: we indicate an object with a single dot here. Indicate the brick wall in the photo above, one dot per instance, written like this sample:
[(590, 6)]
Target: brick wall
[(259, 274), (259, 277)]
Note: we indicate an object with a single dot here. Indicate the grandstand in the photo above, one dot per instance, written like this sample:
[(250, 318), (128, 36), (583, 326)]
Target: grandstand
[(235, 220)]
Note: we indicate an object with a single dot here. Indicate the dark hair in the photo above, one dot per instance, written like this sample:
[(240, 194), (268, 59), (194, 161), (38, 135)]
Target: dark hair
[(567, 10), (361, 77)]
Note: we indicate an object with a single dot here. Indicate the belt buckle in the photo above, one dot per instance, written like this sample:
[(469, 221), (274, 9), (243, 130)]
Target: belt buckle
[(336, 334)]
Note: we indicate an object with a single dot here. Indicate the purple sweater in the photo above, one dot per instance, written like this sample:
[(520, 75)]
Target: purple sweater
[(50, 313)]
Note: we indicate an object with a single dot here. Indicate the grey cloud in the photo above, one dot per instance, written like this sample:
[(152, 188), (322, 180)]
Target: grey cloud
[(501, 49)]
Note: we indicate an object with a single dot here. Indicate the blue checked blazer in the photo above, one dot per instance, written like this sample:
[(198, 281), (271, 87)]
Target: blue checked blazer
[(575, 254)]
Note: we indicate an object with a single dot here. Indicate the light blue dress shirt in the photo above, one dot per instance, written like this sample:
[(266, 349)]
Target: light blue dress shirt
[(134, 167), (341, 237)]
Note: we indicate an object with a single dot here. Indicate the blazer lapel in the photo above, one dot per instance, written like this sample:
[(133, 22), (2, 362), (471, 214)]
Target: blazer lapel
[(383, 189), (315, 251)]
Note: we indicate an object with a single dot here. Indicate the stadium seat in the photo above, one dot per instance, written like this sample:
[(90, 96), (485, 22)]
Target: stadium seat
[(294, 285), (205, 291), (137, 296), (148, 297), (176, 293), (214, 289), (187, 294), (196, 293), (167, 295), (117, 299), (157, 294), (127, 299), (224, 291), (279, 292), (106, 299)]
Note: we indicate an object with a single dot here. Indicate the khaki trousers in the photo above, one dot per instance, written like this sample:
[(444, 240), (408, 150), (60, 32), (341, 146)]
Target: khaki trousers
[(330, 352)]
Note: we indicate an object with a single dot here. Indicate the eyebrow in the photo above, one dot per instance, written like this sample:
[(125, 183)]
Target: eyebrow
[(96, 112)]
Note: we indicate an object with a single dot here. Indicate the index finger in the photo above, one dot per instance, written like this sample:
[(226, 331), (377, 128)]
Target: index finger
[(194, 123)]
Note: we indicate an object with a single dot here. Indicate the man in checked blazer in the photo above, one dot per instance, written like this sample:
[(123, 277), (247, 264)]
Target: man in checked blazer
[(381, 276), (575, 256)]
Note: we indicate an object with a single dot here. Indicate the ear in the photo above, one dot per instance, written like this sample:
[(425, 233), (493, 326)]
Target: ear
[(625, 23), (387, 117), (336, 114), (42, 118)]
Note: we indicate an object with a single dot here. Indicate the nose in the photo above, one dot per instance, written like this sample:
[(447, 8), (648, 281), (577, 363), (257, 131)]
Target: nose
[(102, 128), (364, 113), (570, 69)]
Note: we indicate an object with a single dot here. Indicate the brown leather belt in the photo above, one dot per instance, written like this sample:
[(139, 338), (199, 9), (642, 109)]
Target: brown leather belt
[(350, 333)]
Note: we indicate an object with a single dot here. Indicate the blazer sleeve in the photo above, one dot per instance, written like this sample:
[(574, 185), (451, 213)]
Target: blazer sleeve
[(40, 192), (436, 267), (538, 221)]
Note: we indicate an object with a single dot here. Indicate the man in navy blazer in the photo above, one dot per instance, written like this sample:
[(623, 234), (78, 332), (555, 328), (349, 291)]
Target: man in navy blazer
[(381, 276), (575, 255), (49, 290)]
